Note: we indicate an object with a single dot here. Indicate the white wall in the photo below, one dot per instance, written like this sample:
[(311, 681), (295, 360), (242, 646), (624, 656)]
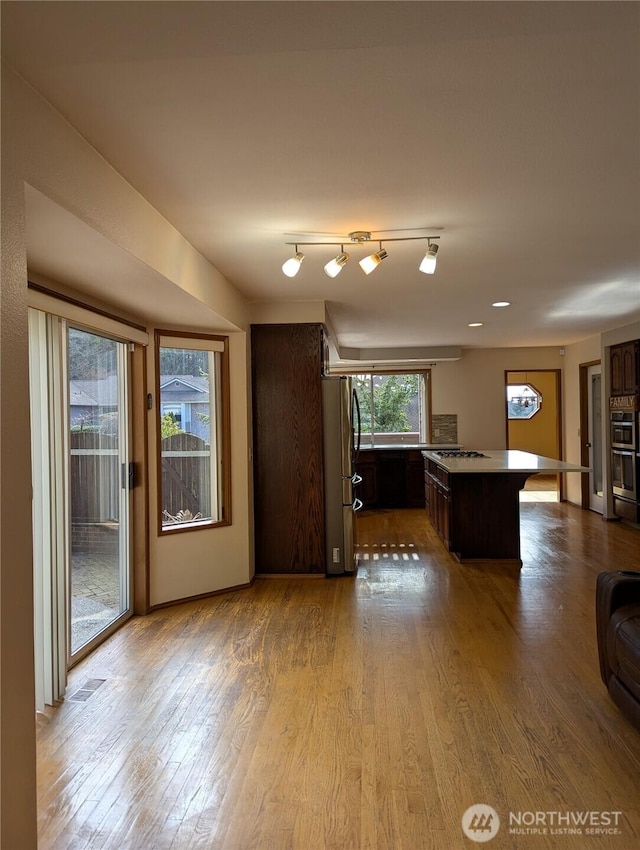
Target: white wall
[(287, 312), (41, 149), (474, 389), (207, 559), (62, 166), (625, 333)]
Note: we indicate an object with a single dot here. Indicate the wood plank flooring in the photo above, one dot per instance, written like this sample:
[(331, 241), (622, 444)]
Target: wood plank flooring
[(365, 712)]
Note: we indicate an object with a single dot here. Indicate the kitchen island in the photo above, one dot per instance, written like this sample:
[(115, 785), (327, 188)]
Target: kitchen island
[(473, 502)]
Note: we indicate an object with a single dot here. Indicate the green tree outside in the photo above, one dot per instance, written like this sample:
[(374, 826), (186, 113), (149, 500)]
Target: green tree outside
[(183, 361), (169, 427), (390, 400), (391, 396)]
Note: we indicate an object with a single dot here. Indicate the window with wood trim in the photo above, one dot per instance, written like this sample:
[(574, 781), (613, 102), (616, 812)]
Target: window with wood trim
[(193, 431), (393, 407)]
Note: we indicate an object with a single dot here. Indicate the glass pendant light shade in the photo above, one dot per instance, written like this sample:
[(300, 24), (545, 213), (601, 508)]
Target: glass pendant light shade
[(368, 264), (335, 266), (291, 267), (428, 264), (332, 269)]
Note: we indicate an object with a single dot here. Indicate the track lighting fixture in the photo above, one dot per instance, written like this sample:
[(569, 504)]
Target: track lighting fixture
[(368, 263), (291, 267), (372, 261), (428, 264), (335, 266)]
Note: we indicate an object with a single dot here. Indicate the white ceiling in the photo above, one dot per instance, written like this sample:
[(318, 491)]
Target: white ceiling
[(513, 126)]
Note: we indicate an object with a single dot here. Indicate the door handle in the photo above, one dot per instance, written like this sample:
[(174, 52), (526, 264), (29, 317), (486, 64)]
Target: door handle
[(588, 445), (128, 476)]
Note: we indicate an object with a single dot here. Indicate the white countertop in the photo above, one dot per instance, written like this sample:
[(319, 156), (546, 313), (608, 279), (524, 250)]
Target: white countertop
[(417, 446), (504, 461)]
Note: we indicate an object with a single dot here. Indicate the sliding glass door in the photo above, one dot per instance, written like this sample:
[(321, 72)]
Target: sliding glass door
[(98, 485), (80, 437)]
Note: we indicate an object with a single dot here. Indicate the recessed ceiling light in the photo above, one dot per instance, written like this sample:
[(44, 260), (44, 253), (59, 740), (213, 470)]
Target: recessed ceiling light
[(475, 324), (501, 304)]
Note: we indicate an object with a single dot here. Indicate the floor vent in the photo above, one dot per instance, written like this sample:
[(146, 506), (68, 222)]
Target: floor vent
[(89, 688)]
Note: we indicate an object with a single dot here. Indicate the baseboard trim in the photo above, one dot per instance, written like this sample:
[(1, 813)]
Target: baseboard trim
[(290, 575), (200, 596)]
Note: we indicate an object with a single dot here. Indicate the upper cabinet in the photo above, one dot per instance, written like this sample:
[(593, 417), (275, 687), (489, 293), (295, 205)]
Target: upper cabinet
[(625, 368)]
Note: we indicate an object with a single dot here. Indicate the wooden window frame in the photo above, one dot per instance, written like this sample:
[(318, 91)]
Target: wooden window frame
[(224, 436)]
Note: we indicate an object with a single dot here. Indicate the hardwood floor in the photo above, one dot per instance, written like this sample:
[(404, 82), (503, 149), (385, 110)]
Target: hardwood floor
[(365, 712)]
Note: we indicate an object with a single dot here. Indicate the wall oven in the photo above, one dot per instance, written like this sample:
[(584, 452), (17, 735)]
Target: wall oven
[(624, 474), (624, 430)]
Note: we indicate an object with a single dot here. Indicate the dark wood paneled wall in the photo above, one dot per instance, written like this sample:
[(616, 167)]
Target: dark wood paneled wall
[(287, 439)]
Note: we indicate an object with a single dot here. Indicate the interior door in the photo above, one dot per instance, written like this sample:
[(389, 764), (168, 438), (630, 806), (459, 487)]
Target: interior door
[(594, 437), (99, 577)]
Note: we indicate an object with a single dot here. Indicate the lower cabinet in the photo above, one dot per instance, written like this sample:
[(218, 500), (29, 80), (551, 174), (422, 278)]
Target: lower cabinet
[(438, 500), (391, 478), (367, 490), (415, 479), (392, 488)]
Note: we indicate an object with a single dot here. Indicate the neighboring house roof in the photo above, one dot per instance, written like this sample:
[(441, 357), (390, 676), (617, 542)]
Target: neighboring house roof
[(194, 382), (184, 389), (78, 398), (103, 392)]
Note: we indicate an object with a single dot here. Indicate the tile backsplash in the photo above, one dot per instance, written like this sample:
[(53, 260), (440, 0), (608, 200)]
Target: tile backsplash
[(444, 427)]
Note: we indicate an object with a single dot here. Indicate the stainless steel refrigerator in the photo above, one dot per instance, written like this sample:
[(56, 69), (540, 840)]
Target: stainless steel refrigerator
[(341, 443)]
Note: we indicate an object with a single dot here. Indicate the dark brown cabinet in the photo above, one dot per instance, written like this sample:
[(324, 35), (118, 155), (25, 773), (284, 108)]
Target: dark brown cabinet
[(287, 363), (391, 478), (367, 468), (625, 381), (476, 515), (438, 499), (625, 368), (414, 475)]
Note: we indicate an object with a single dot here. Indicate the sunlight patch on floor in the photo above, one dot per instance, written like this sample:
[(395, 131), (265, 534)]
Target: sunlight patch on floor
[(538, 495)]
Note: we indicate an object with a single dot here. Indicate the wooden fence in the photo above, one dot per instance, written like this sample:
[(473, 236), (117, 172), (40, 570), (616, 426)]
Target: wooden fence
[(96, 478), (186, 477)]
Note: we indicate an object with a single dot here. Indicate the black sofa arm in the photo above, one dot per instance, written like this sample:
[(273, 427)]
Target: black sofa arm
[(614, 588)]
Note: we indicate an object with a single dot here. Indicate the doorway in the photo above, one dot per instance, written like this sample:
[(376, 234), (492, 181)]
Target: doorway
[(533, 424), (591, 425)]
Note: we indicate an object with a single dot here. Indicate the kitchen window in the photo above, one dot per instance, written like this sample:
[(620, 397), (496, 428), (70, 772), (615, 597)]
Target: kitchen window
[(393, 407), (193, 431)]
